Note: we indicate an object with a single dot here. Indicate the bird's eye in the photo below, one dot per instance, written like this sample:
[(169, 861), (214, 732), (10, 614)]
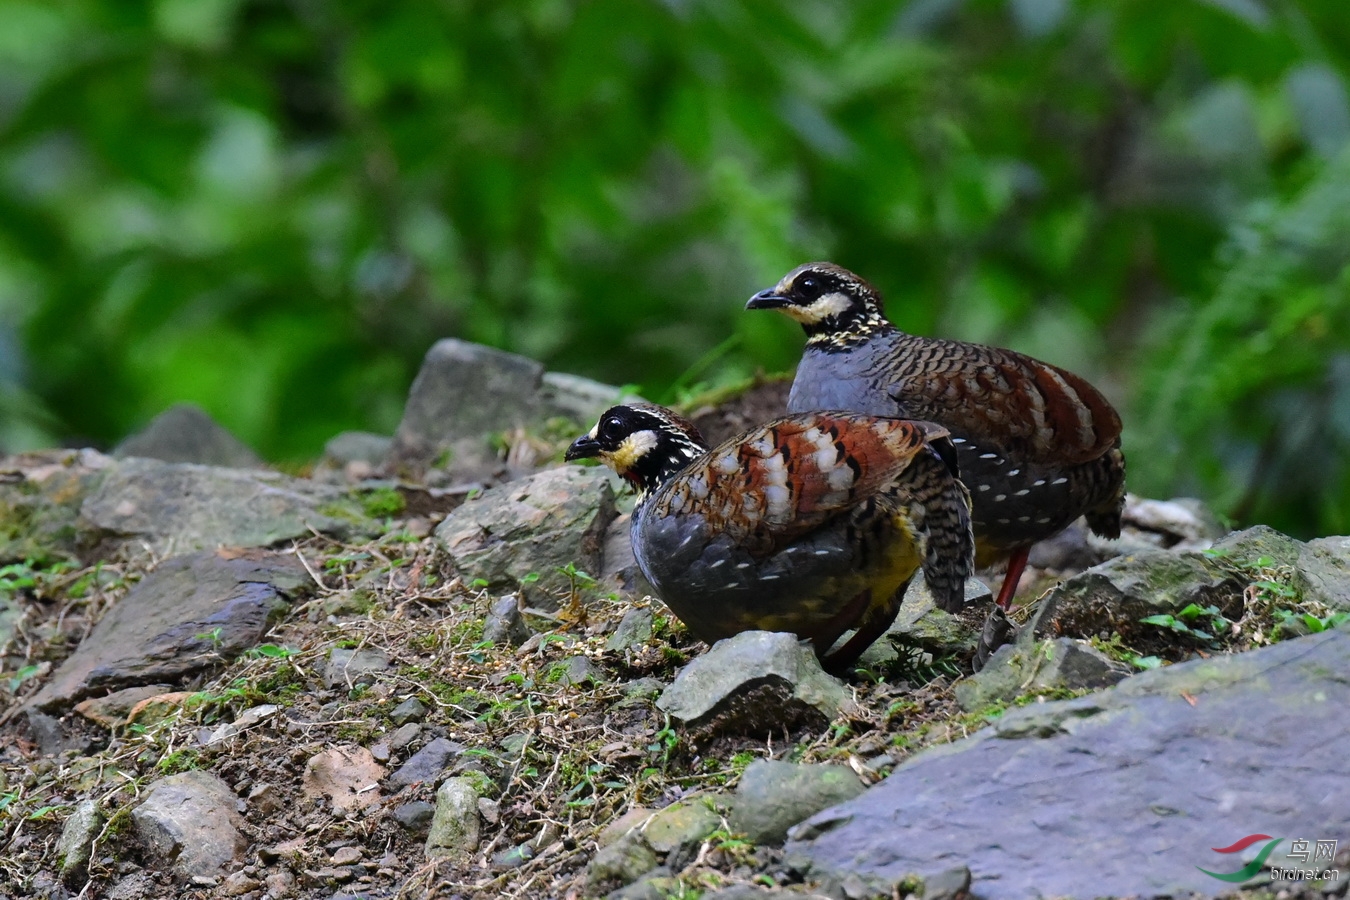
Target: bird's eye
[(807, 285), (612, 429)]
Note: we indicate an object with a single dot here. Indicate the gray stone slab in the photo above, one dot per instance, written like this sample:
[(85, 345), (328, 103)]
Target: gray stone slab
[(191, 613), (186, 507), (1119, 793)]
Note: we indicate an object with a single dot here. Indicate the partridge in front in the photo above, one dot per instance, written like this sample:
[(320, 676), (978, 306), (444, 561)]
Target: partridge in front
[(812, 524), (1038, 446)]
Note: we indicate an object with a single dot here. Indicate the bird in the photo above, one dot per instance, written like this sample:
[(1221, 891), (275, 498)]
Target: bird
[(812, 524), (1038, 446)]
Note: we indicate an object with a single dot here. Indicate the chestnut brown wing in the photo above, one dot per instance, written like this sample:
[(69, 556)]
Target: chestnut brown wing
[(1037, 412), (769, 486)]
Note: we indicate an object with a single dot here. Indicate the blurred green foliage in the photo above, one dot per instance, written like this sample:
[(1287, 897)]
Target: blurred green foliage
[(273, 207)]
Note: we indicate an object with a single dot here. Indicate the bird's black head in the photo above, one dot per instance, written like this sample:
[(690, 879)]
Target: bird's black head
[(643, 443), (830, 302)]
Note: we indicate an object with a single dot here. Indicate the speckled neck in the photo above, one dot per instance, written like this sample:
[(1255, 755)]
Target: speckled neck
[(834, 336)]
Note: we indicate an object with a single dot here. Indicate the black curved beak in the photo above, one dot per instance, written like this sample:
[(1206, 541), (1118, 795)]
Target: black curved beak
[(767, 299), (584, 447)]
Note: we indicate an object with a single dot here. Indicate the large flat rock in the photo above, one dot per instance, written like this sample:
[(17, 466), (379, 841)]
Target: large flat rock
[(185, 506), (191, 613), (1119, 793)]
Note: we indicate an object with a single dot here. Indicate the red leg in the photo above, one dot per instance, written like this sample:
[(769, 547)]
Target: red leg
[(852, 613), (1016, 563)]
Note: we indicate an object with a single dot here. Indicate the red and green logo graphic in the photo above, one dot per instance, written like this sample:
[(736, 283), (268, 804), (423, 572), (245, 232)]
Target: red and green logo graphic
[(1248, 871)]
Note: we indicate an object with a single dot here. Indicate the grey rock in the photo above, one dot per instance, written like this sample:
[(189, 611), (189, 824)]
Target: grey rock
[(513, 745), (622, 862), (1324, 565), (579, 671), (349, 668), (113, 710), (1038, 667), (463, 394), (191, 613), (266, 798), (774, 795), (190, 822), (657, 884), (754, 682), (404, 735), (466, 393), (188, 507), (185, 433), (504, 624), (427, 764), (40, 499), (136, 886), (356, 447), (11, 613), (920, 623), (410, 710), (748, 892), (634, 630), (280, 884), (47, 732), (578, 399), (239, 883), (1116, 595), (681, 826), (1133, 777), (643, 689), (454, 826), (1070, 550), (952, 884), (76, 844), (414, 816), (1183, 523), (533, 526)]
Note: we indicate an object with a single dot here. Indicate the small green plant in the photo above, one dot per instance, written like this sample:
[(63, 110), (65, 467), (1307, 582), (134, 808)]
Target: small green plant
[(212, 637), (1296, 623), (17, 576), (270, 651), (1189, 619), (1116, 649), (664, 744), (21, 676)]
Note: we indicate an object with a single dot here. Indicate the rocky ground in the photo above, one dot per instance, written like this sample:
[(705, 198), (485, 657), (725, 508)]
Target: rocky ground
[(427, 668)]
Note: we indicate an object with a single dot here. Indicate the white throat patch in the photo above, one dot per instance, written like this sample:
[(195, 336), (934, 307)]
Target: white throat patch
[(822, 308)]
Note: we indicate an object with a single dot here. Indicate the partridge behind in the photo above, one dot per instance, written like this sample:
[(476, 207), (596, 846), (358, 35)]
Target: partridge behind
[(1038, 446), (812, 524)]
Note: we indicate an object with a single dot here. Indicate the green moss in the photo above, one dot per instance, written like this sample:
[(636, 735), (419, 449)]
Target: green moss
[(482, 785), (382, 503), (178, 761)]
